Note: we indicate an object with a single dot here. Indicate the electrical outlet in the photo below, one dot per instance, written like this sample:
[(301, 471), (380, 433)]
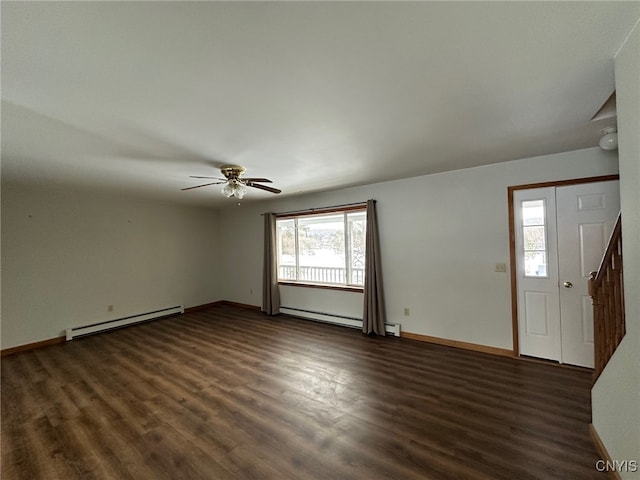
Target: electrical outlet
[(501, 267), (406, 311)]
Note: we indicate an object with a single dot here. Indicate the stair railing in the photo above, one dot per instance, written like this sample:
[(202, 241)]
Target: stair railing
[(606, 289)]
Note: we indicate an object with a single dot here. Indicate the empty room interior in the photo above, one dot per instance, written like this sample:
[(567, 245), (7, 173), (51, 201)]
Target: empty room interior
[(320, 240)]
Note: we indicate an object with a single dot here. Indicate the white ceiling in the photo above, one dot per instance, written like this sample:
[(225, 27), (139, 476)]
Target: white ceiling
[(314, 95)]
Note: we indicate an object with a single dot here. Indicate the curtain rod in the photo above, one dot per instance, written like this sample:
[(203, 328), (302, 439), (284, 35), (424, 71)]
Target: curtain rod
[(320, 209)]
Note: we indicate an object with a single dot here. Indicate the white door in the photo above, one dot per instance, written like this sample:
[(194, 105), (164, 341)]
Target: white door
[(537, 273), (561, 234), (586, 216)]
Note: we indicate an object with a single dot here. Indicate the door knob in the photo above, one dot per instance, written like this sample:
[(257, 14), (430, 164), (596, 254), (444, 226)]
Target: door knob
[(568, 284)]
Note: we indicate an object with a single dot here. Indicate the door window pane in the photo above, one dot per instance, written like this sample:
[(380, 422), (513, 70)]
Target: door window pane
[(534, 238), (535, 264), (533, 212)]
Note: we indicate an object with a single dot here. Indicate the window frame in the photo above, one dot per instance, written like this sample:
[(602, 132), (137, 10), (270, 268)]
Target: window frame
[(317, 212)]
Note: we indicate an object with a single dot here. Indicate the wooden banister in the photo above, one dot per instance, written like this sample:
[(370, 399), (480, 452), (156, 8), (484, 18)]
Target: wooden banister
[(606, 289)]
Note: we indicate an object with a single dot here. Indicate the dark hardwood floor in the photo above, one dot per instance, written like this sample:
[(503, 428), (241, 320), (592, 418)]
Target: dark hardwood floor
[(228, 393)]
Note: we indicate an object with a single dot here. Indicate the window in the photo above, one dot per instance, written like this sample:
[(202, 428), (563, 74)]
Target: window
[(534, 235), (322, 248)]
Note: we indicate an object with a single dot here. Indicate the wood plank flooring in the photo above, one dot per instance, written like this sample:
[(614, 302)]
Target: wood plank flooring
[(228, 393)]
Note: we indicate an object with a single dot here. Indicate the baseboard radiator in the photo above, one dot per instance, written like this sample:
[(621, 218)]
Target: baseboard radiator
[(345, 321), (121, 322)]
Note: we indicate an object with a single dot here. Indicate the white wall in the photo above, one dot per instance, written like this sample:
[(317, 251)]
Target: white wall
[(616, 394), (441, 236), (67, 255)]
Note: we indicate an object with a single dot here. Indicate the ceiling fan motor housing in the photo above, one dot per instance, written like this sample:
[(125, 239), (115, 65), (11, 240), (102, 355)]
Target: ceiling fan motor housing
[(232, 171)]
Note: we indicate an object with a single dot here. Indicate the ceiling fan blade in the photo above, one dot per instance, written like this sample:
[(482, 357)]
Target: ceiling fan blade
[(212, 178), (261, 180), (205, 185), (263, 187)]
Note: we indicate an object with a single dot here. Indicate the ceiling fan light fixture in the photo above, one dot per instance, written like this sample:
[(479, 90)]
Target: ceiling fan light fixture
[(228, 190), (240, 191), (609, 139), (234, 188)]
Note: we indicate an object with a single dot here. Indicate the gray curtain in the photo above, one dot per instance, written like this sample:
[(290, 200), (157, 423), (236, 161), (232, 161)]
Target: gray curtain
[(270, 291), (374, 311)]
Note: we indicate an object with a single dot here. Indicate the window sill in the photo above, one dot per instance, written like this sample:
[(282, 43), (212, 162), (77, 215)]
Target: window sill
[(344, 288)]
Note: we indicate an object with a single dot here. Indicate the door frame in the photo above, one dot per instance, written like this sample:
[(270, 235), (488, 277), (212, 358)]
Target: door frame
[(512, 240)]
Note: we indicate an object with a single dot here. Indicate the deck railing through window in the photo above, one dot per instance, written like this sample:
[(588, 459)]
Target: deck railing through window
[(329, 275), (606, 288)]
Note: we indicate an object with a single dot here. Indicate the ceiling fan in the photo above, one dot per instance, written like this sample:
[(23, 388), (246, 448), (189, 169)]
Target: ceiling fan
[(234, 183)]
